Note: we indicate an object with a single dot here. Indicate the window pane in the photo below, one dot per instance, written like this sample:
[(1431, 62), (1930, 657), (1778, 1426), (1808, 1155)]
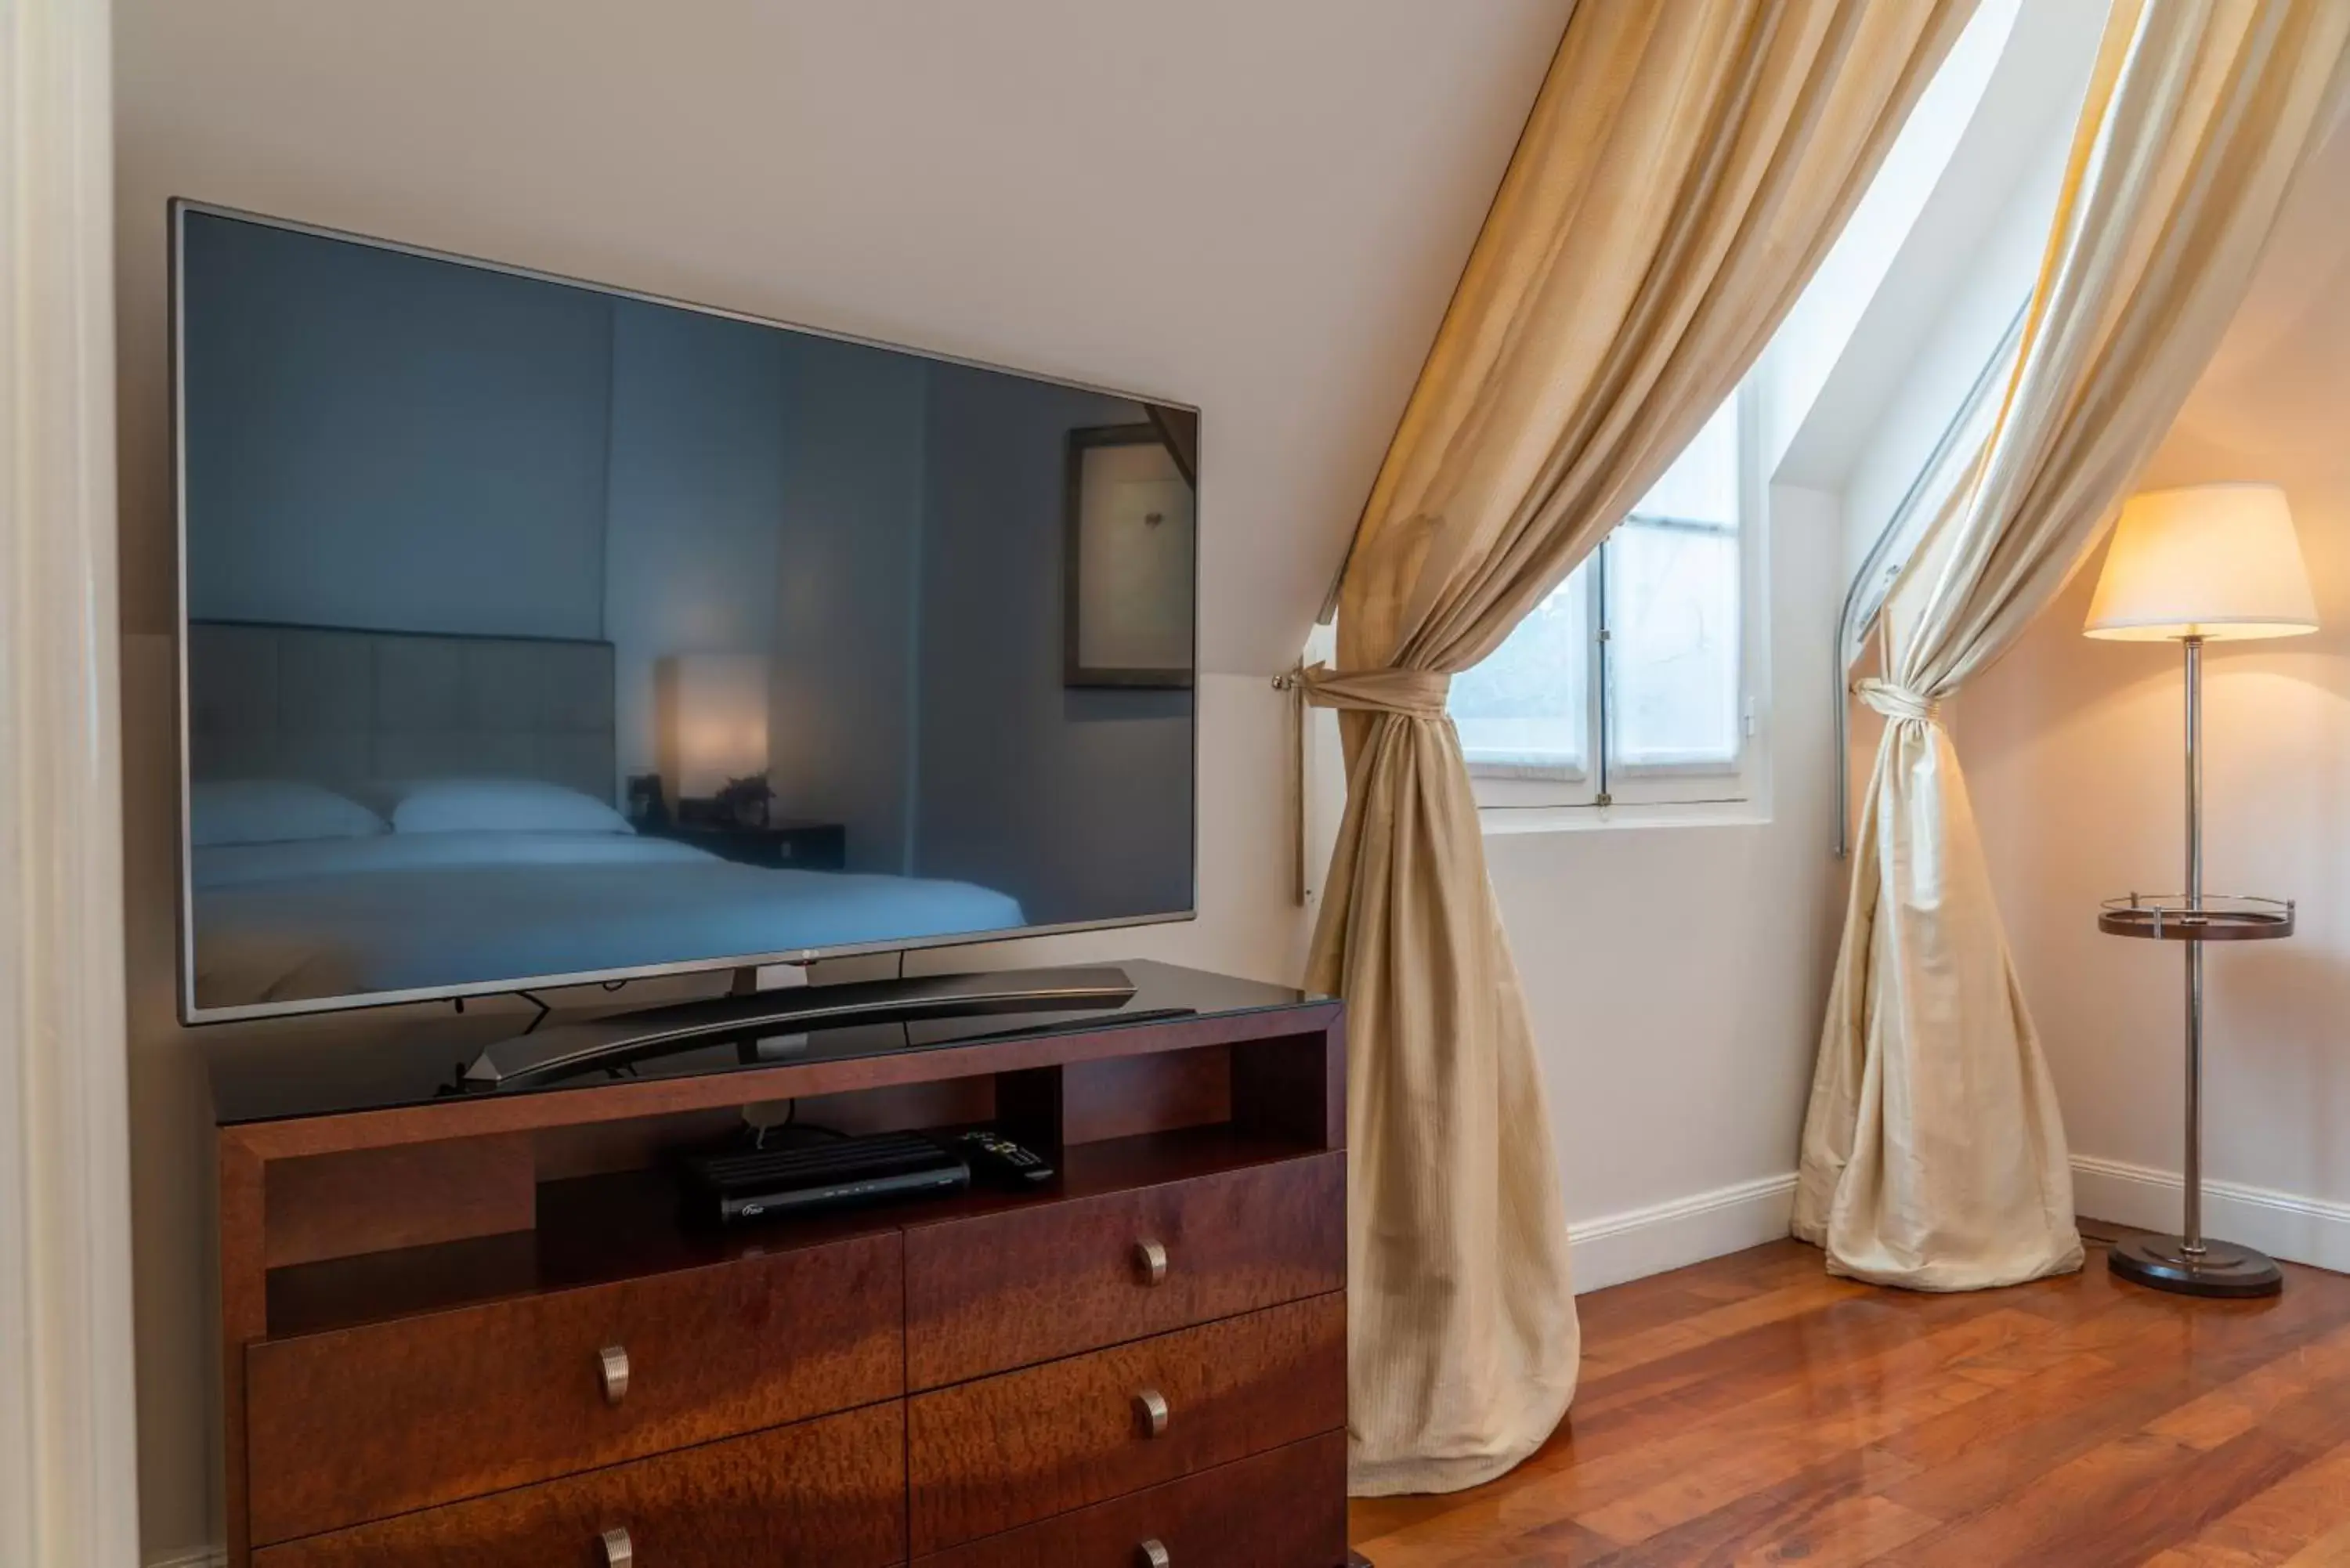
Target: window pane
[(1527, 707), (1701, 486), (1672, 612)]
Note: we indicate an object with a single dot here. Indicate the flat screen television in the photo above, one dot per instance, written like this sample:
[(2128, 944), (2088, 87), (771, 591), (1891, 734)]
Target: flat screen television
[(535, 633)]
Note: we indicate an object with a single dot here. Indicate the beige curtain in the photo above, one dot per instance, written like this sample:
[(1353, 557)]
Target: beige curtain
[(1933, 1155), (1684, 168)]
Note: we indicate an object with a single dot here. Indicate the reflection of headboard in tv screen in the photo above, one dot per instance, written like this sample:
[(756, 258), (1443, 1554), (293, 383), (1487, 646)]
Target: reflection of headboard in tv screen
[(347, 707), (470, 554)]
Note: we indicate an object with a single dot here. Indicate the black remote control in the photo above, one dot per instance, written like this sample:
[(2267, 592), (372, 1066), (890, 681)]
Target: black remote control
[(1000, 1162)]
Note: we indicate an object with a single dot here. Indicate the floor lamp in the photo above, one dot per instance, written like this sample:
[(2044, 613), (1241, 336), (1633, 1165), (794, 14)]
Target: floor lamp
[(2214, 562)]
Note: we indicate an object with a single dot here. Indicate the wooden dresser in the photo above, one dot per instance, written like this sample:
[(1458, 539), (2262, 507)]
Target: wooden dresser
[(470, 1328)]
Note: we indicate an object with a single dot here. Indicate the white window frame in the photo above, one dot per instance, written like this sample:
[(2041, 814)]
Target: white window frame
[(1517, 797)]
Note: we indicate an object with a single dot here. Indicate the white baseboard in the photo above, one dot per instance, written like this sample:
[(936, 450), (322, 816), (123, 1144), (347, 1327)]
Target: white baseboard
[(194, 1557), (1615, 1248), (2281, 1224)]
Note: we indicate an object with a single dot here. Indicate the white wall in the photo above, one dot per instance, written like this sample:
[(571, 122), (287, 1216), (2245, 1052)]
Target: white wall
[(2073, 752), (1909, 414), (1962, 242), (1677, 971), (1848, 288), (1260, 209)]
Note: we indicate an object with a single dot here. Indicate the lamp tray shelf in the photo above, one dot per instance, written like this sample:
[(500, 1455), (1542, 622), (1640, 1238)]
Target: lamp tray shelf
[(2214, 918)]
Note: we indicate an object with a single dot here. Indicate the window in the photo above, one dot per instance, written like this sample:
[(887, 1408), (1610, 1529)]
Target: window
[(1629, 683)]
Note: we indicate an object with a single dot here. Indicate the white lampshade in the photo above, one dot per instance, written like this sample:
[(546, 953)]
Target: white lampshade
[(2213, 561)]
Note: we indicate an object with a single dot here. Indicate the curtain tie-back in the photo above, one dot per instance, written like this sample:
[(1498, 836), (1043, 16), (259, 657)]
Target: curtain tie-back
[(1897, 702), (1412, 694)]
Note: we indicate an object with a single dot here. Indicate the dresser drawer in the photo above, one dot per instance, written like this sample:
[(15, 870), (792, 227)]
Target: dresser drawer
[(1286, 1509), (1011, 1288), (361, 1423), (1007, 1450), (830, 1491)]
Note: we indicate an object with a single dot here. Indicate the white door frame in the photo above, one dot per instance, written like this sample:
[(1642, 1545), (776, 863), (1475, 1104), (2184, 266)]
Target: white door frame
[(68, 1459)]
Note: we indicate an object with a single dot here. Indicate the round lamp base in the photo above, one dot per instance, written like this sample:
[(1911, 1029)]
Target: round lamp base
[(2223, 1269)]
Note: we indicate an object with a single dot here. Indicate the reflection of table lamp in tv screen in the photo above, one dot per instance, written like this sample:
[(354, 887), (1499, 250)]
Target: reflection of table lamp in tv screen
[(713, 713), (2215, 563)]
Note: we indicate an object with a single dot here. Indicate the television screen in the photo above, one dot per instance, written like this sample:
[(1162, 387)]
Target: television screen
[(533, 632)]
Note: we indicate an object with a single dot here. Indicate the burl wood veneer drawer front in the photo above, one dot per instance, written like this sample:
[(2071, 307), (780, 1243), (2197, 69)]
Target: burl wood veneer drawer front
[(362, 1423), (1008, 1450), (1286, 1509), (1012, 1289), (830, 1491)]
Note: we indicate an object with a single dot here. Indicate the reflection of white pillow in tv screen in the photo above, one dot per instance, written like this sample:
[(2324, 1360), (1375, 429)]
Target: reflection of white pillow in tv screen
[(273, 811), (501, 806)]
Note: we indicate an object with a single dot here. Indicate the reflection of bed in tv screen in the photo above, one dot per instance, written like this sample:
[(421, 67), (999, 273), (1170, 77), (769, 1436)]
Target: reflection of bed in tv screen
[(520, 616)]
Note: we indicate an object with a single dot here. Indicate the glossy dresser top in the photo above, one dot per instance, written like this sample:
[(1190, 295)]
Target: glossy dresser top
[(416, 1055)]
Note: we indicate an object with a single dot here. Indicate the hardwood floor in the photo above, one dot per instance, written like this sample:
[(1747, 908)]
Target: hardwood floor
[(1754, 1411)]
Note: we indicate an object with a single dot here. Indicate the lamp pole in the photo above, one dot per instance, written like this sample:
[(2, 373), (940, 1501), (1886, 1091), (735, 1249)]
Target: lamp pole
[(2190, 1262), (2192, 1230)]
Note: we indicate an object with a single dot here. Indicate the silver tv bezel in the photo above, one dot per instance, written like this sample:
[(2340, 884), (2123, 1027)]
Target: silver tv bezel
[(191, 1012)]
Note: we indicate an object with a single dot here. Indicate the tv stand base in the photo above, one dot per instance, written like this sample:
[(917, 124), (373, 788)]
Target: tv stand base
[(620, 1037)]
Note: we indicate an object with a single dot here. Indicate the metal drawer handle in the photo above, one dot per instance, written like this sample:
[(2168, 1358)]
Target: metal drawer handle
[(619, 1552), (1152, 1406), (613, 1362), (1154, 1555), (1151, 1257)]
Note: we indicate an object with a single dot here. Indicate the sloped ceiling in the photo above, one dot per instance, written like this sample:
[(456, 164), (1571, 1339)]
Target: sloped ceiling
[(2274, 402), (1260, 208), (2022, 122)]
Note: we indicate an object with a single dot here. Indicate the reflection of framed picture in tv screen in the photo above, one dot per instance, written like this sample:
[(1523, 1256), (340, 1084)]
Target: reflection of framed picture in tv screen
[(1131, 539)]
